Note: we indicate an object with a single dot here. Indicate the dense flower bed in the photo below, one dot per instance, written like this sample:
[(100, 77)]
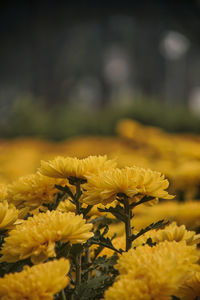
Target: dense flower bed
[(92, 227)]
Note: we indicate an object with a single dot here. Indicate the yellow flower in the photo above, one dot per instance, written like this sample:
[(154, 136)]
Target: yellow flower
[(191, 288), (64, 167), (153, 272), (134, 182), (3, 191), (32, 190), (179, 251), (36, 236), (39, 282), (8, 215), (171, 232)]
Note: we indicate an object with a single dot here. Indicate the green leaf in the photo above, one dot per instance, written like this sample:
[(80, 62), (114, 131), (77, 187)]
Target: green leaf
[(86, 210), (93, 289), (117, 211), (76, 249), (148, 228), (62, 249), (76, 181), (65, 189)]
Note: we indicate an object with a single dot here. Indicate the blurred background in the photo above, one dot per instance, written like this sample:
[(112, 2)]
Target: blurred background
[(93, 78), (71, 69)]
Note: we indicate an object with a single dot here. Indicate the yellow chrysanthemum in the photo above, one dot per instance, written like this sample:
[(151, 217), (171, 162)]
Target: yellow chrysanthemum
[(36, 236), (32, 190), (64, 167), (133, 182), (39, 282), (177, 251), (3, 191), (171, 232), (153, 272), (8, 214), (191, 288)]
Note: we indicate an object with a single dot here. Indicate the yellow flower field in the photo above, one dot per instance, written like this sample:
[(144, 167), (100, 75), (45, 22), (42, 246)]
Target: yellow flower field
[(101, 217)]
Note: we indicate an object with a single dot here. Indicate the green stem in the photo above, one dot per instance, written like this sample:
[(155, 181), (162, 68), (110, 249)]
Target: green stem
[(87, 260), (106, 246), (78, 269), (63, 295), (128, 214), (77, 198)]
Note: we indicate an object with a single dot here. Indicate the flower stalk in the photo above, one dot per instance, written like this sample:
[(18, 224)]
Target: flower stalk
[(127, 221), (77, 197), (78, 269), (63, 295)]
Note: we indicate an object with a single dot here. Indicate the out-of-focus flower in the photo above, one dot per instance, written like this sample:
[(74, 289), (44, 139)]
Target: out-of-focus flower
[(187, 213), (153, 272), (8, 215), (118, 243), (36, 237), (65, 167), (68, 206), (134, 182), (171, 232), (39, 282), (3, 191), (187, 174), (32, 190), (191, 289), (117, 229)]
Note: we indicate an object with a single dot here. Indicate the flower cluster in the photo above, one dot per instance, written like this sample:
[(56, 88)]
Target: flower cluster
[(80, 228), (153, 272)]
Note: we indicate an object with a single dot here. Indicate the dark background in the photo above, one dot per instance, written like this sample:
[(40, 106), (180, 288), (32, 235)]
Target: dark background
[(62, 61)]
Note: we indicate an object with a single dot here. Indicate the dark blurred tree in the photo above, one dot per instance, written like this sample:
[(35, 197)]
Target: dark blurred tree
[(33, 34)]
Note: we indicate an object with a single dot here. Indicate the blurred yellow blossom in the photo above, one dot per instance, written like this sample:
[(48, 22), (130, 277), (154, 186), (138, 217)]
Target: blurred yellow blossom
[(172, 232), (39, 282), (32, 190), (68, 206), (36, 237), (187, 213), (3, 191)]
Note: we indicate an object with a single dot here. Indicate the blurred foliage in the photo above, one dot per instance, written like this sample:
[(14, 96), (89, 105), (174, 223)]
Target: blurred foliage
[(31, 117)]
